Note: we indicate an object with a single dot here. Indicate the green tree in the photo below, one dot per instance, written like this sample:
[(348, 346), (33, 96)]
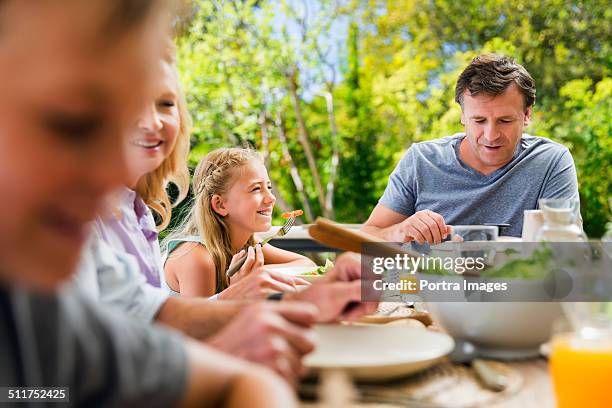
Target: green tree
[(582, 122), (414, 51), (332, 117)]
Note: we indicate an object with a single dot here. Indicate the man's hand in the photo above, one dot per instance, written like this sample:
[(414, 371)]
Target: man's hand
[(423, 226), (276, 335), (261, 283), (338, 294)]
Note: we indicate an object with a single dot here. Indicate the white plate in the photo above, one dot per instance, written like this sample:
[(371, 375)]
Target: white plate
[(296, 270), (508, 239), (377, 353), (290, 270)]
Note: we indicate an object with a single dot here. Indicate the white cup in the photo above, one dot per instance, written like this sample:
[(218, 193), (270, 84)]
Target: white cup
[(532, 222)]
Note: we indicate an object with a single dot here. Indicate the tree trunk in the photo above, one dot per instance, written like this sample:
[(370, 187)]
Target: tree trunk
[(304, 139), (295, 175), (263, 122), (328, 210)]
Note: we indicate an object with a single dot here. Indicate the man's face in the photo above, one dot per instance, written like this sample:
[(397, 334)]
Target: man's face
[(67, 102), (493, 127)]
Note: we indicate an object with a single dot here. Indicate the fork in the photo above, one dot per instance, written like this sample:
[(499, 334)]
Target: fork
[(281, 232)]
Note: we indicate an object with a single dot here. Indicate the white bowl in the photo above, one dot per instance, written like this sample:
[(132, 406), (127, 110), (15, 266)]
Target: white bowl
[(503, 330), (378, 352)]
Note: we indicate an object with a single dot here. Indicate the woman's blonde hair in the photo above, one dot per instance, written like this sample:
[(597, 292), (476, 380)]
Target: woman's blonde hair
[(152, 187), (215, 174)]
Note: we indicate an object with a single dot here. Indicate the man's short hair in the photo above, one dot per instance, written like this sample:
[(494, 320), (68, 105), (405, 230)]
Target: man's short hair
[(492, 74), (125, 13)]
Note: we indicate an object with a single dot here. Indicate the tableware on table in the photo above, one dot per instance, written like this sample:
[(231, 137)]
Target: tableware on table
[(394, 312), (296, 270), (508, 239), (581, 360), (461, 233), (488, 374), (560, 220), (377, 353), (443, 385), (468, 242), (500, 225), (500, 330), (281, 232), (581, 369), (532, 222), (335, 235)]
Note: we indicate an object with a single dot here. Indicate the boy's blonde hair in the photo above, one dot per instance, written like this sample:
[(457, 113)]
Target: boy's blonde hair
[(215, 174), (152, 186)]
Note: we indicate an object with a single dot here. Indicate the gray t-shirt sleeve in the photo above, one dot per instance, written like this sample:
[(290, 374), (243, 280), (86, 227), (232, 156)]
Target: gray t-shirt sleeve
[(563, 182), (399, 195), (105, 359), (119, 283)]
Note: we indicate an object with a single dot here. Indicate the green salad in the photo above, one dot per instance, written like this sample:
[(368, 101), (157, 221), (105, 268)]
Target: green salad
[(537, 266), (320, 270)]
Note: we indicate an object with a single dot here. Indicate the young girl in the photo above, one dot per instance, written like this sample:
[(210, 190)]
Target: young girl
[(157, 151), (233, 200)]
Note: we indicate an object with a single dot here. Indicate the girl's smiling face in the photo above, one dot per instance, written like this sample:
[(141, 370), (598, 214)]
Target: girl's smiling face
[(247, 205)]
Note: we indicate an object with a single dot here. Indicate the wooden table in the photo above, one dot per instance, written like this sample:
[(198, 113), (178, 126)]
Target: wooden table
[(534, 391), (537, 390)]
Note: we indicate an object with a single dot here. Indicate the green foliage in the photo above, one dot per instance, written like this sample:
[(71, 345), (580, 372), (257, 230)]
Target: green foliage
[(582, 122), (257, 70)]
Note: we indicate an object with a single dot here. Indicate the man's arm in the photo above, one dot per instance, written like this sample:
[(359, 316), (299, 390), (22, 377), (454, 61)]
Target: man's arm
[(394, 218), (196, 317), (392, 226), (120, 285), (563, 182), (381, 222), (217, 379), (109, 360)]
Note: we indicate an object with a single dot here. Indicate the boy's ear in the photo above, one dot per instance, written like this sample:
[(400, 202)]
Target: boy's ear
[(218, 205)]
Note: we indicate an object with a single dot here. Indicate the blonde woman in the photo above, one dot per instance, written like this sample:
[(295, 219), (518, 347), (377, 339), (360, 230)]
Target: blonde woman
[(157, 149), (233, 200)]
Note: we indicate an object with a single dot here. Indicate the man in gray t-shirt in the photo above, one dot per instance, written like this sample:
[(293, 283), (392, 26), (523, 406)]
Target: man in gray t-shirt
[(489, 174)]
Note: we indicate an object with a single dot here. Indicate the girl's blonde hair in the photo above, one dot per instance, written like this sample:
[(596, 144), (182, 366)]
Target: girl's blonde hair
[(215, 174), (152, 187)]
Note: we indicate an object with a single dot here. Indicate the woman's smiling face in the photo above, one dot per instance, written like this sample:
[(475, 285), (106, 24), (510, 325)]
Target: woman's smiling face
[(157, 126), (69, 98)]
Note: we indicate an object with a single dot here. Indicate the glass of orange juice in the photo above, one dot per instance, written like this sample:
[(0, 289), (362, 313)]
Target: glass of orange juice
[(581, 362)]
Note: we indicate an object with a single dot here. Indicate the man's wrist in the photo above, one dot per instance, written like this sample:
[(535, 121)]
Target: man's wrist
[(289, 296), (277, 296)]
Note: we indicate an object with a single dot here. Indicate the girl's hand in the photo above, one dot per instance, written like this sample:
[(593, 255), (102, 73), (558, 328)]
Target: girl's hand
[(259, 283), (254, 261)]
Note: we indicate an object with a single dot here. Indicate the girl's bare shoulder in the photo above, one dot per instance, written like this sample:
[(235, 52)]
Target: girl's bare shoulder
[(191, 255)]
